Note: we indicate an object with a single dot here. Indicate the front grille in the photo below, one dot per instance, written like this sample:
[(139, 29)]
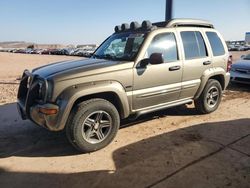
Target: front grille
[(24, 86), (28, 91), (242, 79)]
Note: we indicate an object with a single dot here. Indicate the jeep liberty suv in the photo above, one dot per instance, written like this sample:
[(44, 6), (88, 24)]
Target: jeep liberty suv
[(139, 69)]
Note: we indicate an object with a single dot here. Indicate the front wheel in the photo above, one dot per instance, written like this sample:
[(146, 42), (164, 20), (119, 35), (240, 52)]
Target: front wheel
[(210, 98), (93, 125)]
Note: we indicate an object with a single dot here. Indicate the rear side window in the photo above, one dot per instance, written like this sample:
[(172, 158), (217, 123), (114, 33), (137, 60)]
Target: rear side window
[(165, 44), (194, 45), (216, 44)]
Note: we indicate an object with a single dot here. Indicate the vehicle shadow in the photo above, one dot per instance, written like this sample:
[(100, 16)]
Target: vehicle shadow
[(209, 155), (24, 138), (238, 87)]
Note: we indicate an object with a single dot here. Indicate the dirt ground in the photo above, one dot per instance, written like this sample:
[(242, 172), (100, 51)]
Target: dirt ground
[(172, 148), (12, 66)]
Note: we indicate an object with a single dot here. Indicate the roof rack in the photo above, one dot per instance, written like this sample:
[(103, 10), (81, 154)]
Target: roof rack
[(184, 23)]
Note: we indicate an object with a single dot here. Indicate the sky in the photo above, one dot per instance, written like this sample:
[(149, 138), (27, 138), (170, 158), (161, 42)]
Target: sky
[(91, 21)]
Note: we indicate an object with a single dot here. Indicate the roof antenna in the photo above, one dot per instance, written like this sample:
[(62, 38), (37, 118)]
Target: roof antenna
[(169, 9)]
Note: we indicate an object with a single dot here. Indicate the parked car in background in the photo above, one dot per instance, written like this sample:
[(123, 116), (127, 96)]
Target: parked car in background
[(240, 71), (22, 51), (83, 52), (55, 52), (238, 48), (89, 52), (79, 52), (242, 48)]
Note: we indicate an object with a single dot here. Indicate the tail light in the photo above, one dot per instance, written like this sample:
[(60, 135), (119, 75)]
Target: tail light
[(229, 63)]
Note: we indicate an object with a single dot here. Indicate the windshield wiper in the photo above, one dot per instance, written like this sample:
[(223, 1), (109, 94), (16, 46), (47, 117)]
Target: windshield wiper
[(110, 57), (96, 56), (106, 56)]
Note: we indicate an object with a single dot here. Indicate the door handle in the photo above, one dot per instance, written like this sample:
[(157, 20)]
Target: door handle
[(207, 63), (174, 68)]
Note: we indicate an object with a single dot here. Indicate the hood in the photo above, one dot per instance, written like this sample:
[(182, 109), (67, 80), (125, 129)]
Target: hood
[(242, 64), (68, 66)]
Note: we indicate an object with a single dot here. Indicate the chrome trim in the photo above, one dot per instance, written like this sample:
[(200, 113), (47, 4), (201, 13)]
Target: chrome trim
[(163, 106), (190, 86), (155, 90), (159, 93), (160, 90)]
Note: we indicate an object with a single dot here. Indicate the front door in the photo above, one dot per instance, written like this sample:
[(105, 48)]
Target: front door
[(158, 84)]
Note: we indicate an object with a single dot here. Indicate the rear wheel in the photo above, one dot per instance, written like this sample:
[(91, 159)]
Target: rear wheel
[(92, 125), (210, 98)]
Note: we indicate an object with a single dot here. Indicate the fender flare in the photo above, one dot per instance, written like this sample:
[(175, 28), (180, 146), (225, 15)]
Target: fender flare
[(69, 96), (209, 73)]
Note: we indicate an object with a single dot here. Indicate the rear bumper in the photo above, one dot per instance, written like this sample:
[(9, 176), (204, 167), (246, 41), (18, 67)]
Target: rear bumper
[(227, 79)]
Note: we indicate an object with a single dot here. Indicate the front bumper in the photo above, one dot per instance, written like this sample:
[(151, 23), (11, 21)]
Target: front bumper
[(47, 121), (28, 106), (238, 77), (21, 110)]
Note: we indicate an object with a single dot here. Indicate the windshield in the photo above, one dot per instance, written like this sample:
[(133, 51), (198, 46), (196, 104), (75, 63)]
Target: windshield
[(247, 57), (122, 46)]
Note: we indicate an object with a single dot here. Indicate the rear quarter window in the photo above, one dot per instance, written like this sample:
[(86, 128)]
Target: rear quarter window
[(194, 45), (216, 43)]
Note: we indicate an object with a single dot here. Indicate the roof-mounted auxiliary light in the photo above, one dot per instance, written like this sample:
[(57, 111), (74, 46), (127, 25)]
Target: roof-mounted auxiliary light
[(147, 24), (118, 28), (134, 25), (125, 27)]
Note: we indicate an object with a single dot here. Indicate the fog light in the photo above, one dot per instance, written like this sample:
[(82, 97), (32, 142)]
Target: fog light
[(48, 111)]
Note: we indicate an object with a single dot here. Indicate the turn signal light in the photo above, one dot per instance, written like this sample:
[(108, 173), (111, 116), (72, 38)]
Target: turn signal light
[(48, 111)]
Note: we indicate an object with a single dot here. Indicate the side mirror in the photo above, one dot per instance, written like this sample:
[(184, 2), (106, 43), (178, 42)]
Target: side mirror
[(156, 58)]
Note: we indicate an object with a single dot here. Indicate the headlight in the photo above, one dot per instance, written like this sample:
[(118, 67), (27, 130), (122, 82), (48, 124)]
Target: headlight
[(42, 89)]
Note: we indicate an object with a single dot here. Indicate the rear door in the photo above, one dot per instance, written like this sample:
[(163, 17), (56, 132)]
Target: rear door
[(196, 60)]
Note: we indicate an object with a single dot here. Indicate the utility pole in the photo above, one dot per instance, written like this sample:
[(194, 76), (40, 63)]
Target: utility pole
[(169, 9)]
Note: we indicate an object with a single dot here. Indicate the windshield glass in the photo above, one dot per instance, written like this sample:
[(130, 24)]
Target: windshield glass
[(247, 57), (122, 46)]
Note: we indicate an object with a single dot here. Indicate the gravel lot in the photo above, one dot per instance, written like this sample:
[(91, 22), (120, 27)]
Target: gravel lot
[(172, 148)]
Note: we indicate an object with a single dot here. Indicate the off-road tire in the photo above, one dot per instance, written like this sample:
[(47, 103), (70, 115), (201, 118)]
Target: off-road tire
[(77, 118), (201, 103)]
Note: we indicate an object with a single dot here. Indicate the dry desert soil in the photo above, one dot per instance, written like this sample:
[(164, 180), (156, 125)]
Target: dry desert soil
[(172, 148)]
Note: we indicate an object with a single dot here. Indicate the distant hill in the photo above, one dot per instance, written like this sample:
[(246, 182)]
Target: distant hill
[(23, 44), (15, 44)]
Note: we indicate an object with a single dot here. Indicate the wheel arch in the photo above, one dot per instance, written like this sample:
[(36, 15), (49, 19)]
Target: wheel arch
[(218, 74), (110, 96), (109, 90)]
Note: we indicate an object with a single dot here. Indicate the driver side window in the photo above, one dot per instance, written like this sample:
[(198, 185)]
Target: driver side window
[(165, 44)]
